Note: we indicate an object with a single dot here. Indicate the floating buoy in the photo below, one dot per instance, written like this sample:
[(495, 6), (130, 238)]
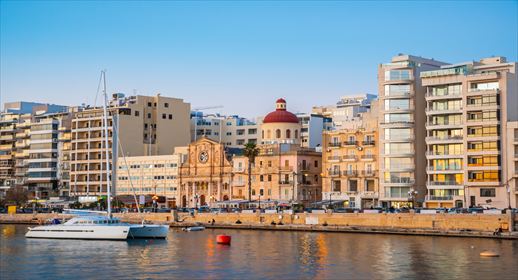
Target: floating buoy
[(489, 254), (223, 239)]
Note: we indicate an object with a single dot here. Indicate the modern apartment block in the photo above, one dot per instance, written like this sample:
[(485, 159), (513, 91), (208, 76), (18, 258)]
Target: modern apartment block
[(512, 164), (402, 130), (149, 176), (29, 150), (350, 176), (232, 131), (468, 106), (144, 125), (312, 127), (347, 110)]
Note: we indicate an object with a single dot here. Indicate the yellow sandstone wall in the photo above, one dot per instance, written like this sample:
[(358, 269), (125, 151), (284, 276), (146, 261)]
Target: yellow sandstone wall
[(474, 222)]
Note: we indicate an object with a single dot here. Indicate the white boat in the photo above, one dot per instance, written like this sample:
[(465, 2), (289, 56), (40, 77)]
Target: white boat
[(148, 231), (83, 227), (198, 228)]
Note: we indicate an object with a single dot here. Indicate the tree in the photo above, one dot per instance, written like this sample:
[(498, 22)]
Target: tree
[(251, 152), (17, 196)]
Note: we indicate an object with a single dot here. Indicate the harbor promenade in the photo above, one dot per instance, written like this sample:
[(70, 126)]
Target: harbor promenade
[(466, 225)]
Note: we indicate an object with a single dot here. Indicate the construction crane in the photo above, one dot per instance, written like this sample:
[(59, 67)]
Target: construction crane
[(207, 108)]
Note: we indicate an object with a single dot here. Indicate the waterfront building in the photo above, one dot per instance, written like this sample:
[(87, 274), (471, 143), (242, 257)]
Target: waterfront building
[(232, 131), (30, 145), (512, 164), (468, 146), (149, 176), (350, 163), (347, 111), (402, 130), (144, 125), (205, 177), (283, 173), (312, 127)]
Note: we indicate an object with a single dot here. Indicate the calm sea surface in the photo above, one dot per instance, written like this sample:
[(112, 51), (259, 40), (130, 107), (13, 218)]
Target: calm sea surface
[(256, 255)]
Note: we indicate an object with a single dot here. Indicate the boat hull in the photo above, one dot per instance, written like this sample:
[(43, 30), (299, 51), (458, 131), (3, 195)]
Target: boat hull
[(79, 232), (148, 231)]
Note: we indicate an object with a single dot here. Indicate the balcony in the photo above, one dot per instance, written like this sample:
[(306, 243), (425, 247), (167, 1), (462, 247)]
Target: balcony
[(444, 183), (448, 138), (284, 182), (441, 198), (432, 154), (334, 173), (443, 125), (400, 181), (349, 158), (368, 143), (368, 157), (333, 158), (436, 111), (350, 143), (334, 144), (452, 169), (477, 92), (350, 173), (369, 173), (447, 95)]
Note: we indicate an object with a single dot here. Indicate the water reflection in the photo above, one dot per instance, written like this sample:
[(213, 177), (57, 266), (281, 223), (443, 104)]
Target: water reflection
[(256, 255)]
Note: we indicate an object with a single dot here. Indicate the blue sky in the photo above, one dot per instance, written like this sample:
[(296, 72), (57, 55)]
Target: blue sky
[(242, 55)]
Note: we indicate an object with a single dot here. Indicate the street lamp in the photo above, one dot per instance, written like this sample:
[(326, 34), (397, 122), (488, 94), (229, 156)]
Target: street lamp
[(412, 194)]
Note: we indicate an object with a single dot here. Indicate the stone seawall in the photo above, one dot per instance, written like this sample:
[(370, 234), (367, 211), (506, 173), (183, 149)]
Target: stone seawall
[(408, 223)]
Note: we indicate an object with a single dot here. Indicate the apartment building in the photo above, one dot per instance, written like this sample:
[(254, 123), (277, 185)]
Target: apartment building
[(282, 173), (467, 109), (512, 164), (402, 131), (350, 162), (29, 150), (233, 131), (144, 125), (311, 130), (347, 111), (149, 176)]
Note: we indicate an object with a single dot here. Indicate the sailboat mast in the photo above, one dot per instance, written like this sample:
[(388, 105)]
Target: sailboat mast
[(106, 145)]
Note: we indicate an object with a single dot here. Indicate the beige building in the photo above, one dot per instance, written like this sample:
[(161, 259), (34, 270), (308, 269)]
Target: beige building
[(467, 109), (402, 131), (33, 149), (205, 177), (144, 125), (149, 176), (282, 173), (350, 163), (512, 164)]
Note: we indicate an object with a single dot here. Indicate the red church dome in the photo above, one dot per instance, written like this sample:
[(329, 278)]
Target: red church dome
[(280, 115)]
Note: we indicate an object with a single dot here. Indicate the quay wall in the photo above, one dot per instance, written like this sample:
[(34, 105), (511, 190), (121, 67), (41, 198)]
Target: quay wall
[(436, 222)]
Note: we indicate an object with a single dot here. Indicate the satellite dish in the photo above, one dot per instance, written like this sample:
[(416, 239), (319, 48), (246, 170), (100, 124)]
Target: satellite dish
[(360, 148)]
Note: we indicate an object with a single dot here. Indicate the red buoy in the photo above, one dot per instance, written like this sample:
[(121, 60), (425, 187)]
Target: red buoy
[(223, 239)]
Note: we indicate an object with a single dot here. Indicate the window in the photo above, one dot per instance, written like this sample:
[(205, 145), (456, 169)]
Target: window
[(316, 163), (269, 163), (393, 75), (164, 116), (278, 133), (261, 178), (166, 105), (149, 115), (296, 134), (397, 104), (397, 90), (170, 116), (137, 113), (288, 133), (487, 192), (149, 104), (269, 178)]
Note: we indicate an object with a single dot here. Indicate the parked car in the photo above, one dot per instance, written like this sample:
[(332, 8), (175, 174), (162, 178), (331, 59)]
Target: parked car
[(475, 210)]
